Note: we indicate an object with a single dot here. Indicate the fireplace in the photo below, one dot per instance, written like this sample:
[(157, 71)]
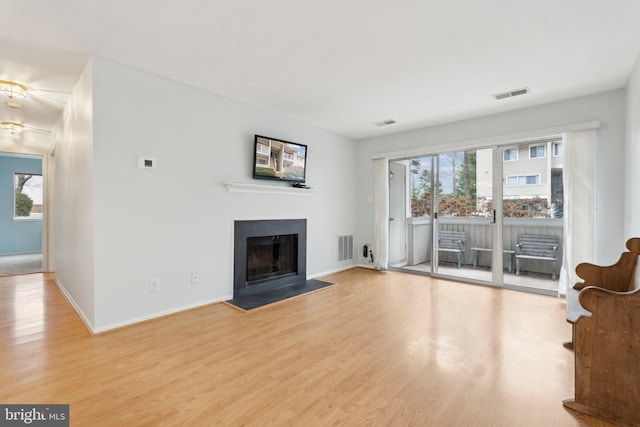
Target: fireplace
[(269, 253), (269, 257)]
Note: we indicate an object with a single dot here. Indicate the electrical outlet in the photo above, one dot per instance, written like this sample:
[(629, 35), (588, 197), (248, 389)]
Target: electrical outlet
[(195, 278), (154, 285)]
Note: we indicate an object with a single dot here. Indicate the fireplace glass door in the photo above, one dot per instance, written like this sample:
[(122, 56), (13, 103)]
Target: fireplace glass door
[(271, 256)]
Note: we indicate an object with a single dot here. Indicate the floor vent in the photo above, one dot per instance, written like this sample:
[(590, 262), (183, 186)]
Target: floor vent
[(345, 248)]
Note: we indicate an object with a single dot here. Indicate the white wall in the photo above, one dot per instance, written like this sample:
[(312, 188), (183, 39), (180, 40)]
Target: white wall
[(178, 219), (607, 107), (632, 207), (72, 136), (118, 227)]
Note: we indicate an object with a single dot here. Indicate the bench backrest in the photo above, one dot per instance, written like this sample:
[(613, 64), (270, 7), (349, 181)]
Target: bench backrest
[(448, 239), (538, 245), (619, 277)]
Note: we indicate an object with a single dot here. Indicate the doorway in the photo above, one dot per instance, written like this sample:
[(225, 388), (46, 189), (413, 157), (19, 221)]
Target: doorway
[(22, 213)]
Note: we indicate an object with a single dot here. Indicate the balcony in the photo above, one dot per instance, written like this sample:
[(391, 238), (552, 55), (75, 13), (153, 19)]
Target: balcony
[(533, 274)]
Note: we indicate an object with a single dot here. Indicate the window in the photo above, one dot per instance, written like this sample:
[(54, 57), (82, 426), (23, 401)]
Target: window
[(510, 154), (515, 180), (262, 149), (28, 196), (557, 149), (537, 151)]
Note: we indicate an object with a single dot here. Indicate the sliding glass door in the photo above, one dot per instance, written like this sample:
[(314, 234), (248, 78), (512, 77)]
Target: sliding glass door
[(468, 210), (463, 218), (532, 210), (449, 224)]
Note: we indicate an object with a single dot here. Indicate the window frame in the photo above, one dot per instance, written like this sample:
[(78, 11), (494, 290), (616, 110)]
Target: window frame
[(537, 146), (553, 149), (525, 176), (32, 216), (504, 151)]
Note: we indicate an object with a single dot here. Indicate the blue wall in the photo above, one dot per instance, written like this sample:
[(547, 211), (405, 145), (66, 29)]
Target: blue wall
[(17, 236)]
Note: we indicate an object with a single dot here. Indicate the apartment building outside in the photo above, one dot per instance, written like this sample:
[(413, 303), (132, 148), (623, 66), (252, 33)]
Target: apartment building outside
[(530, 172)]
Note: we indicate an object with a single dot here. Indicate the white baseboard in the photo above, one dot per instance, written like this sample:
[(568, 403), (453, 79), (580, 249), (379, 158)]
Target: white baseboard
[(325, 273), (75, 306), (348, 267), (93, 330), (160, 314), (21, 253)]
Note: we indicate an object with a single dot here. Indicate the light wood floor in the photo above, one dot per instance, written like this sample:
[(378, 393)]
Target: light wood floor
[(376, 349)]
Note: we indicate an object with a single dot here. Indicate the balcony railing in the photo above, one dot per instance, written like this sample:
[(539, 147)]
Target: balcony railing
[(479, 234)]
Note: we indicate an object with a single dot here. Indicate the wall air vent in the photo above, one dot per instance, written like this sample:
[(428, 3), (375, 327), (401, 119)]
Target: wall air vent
[(511, 93), (385, 122), (345, 247)]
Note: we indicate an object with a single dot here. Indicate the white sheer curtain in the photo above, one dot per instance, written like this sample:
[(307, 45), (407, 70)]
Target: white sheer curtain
[(381, 207), (578, 175)]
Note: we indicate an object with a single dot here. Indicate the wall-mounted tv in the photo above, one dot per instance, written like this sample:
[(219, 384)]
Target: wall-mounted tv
[(279, 160)]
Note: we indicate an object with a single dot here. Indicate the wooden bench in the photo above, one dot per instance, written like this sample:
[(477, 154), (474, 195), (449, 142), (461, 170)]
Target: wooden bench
[(507, 252), (453, 241), (604, 315), (537, 247), (607, 350)]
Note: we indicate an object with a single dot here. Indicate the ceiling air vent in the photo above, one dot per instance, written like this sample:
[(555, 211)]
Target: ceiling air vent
[(385, 122), (511, 93)]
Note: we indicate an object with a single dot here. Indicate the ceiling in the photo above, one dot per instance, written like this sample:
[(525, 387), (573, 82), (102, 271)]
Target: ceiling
[(338, 65)]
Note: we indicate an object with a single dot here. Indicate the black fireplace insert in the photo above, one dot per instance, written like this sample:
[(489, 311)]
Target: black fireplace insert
[(269, 252)]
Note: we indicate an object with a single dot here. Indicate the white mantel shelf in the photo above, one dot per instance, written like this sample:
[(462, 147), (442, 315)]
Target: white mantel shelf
[(235, 187)]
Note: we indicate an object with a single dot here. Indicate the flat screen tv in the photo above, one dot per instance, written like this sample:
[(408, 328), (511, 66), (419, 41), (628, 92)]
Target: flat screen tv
[(279, 160)]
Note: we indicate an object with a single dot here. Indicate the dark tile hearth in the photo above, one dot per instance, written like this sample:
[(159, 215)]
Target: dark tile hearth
[(258, 296)]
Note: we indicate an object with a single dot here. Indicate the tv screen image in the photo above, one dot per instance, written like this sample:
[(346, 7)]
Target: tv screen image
[(279, 160)]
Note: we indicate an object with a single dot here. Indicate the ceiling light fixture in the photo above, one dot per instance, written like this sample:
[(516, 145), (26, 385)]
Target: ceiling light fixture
[(13, 89), (12, 127), (14, 105)]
